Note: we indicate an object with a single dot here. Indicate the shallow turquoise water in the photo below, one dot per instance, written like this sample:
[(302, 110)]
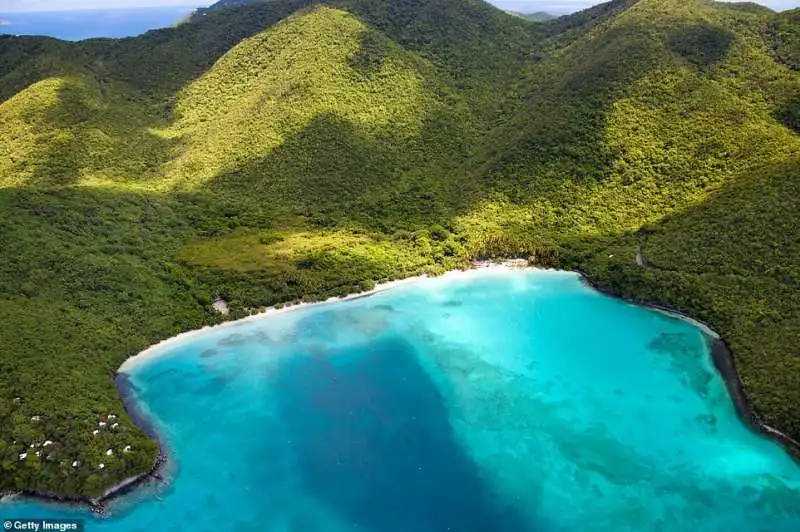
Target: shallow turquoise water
[(492, 400)]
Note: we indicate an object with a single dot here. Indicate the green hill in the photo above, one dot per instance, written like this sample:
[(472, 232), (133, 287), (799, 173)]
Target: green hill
[(267, 152), (538, 16), (784, 32)]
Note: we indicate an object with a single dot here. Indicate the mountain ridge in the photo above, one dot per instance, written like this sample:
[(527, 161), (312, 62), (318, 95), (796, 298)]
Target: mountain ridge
[(537, 16)]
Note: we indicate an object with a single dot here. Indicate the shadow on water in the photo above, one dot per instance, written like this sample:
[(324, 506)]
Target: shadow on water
[(373, 442)]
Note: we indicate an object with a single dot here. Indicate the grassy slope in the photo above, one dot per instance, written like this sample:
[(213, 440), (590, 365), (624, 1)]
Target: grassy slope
[(369, 140)]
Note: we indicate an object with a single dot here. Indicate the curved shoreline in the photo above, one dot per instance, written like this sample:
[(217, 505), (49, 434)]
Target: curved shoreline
[(721, 355), (723, 360), (161, 347), (99, 504)]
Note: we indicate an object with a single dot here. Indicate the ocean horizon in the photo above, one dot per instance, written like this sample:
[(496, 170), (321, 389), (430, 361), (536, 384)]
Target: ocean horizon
[(92, 23)]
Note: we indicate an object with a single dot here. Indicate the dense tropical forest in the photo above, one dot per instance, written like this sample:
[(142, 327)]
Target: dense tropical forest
[(286, 150)]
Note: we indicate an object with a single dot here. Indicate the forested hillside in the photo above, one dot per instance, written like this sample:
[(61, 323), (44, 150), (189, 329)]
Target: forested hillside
[(268, 152), (539, 16)]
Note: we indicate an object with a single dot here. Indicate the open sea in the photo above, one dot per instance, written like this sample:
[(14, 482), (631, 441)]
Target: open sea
[(86, 24), (492, 400)]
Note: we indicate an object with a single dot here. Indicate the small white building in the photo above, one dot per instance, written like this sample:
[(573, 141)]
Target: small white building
[(112, 416), (95, 432), (23, 456), (109, 452), (101, 466), (101, 424), (76, 464), (48, 442), (36, 418), (221, 306), (127, 449)]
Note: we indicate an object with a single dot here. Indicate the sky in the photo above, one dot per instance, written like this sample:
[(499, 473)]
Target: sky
[(569, 6), (15, 6), (552, 6)]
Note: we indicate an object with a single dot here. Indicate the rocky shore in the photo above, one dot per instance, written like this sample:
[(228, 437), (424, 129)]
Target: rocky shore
[(96, 504), (725, 364)]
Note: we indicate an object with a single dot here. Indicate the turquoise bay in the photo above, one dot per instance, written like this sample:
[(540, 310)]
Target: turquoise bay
[(488, 400)]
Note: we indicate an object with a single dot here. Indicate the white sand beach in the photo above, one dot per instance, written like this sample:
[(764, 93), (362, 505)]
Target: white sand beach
[(505, 266), (164, 346)]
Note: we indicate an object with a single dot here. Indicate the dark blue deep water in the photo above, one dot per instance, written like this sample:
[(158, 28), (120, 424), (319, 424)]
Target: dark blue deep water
[(492, 400), (78, 25)]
